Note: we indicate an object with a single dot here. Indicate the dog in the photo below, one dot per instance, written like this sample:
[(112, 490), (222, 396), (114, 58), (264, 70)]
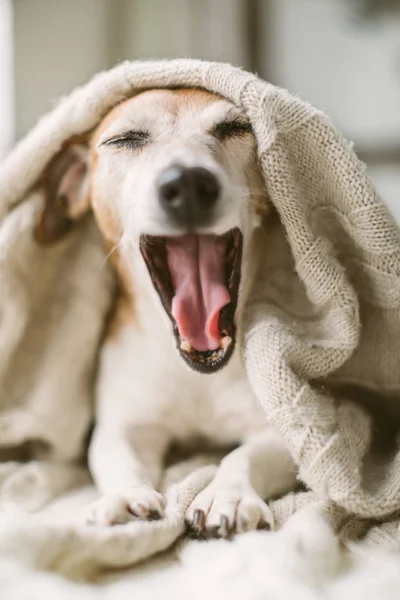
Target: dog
[(172, 178)]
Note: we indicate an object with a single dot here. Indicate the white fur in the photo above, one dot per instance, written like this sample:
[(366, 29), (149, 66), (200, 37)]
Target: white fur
[(147, 397)]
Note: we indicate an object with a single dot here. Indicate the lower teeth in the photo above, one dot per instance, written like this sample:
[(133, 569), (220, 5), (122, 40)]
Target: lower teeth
[(225, 342)]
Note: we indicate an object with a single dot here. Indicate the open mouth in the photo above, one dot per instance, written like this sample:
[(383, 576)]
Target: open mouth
[(197, 278)]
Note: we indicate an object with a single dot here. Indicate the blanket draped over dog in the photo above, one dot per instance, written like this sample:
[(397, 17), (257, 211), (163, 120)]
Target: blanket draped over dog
[(321, 338)]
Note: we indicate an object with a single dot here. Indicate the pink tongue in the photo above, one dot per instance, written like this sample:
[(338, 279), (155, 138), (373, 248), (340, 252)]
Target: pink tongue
[(197, 267)]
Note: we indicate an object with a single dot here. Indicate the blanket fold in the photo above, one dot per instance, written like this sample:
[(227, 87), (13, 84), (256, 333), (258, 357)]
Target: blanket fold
[(322, 326)]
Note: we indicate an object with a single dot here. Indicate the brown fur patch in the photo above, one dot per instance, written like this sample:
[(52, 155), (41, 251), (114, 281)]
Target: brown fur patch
[(54, 220), (122, 314), (193, 96), (261, 205), (107, 220), (107, 120), (124, 309)]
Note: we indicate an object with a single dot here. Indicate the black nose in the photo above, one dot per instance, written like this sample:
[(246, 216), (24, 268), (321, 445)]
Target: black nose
[(188, 195)]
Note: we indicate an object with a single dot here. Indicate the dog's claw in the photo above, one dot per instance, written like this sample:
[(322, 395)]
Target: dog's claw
[(143, 512), (199, 520), (154, 515), (222, 513), (242, 524), (263, 525), (117, 509), (138, 509), (211, 533), (224, 529)]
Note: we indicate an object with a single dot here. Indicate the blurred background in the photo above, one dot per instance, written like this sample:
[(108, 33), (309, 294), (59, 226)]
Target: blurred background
[(342, 55)]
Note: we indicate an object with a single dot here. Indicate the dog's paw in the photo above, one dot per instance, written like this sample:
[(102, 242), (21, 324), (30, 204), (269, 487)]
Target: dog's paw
[(222, 512), (118, 509)]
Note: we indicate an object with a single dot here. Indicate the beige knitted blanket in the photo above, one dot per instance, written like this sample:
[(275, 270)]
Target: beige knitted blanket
[(322, 343)]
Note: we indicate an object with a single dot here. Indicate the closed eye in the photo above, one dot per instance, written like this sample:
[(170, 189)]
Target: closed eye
[(231, 128), (129, 139)]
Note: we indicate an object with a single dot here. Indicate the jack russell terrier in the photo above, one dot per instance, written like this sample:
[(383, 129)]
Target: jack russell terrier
[(173, 181)]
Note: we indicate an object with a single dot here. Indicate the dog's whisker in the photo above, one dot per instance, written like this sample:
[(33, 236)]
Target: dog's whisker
[(113, 249)]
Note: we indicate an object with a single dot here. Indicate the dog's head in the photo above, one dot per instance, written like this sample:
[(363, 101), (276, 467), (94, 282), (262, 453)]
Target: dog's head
[(172, 178)]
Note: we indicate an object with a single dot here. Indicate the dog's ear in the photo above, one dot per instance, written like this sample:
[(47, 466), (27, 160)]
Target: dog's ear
[(65, 187)]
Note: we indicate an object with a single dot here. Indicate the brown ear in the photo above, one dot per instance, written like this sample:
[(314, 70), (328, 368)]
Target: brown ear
[(65, 188)]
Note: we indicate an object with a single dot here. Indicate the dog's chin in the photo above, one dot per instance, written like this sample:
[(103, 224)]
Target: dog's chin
[(202, 315)]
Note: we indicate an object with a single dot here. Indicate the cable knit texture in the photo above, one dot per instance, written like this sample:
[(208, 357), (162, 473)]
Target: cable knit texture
[(321, 342)]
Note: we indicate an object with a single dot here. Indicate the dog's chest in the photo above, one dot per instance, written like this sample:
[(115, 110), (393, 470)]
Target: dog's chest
[(218, 407), (149, 382)]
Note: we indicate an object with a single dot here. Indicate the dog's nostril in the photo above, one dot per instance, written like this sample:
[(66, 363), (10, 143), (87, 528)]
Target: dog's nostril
[(206, 185), (188, 194), (170, 186)]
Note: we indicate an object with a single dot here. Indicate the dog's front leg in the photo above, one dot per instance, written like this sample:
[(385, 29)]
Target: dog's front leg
[(234, 501), (126, 465)]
